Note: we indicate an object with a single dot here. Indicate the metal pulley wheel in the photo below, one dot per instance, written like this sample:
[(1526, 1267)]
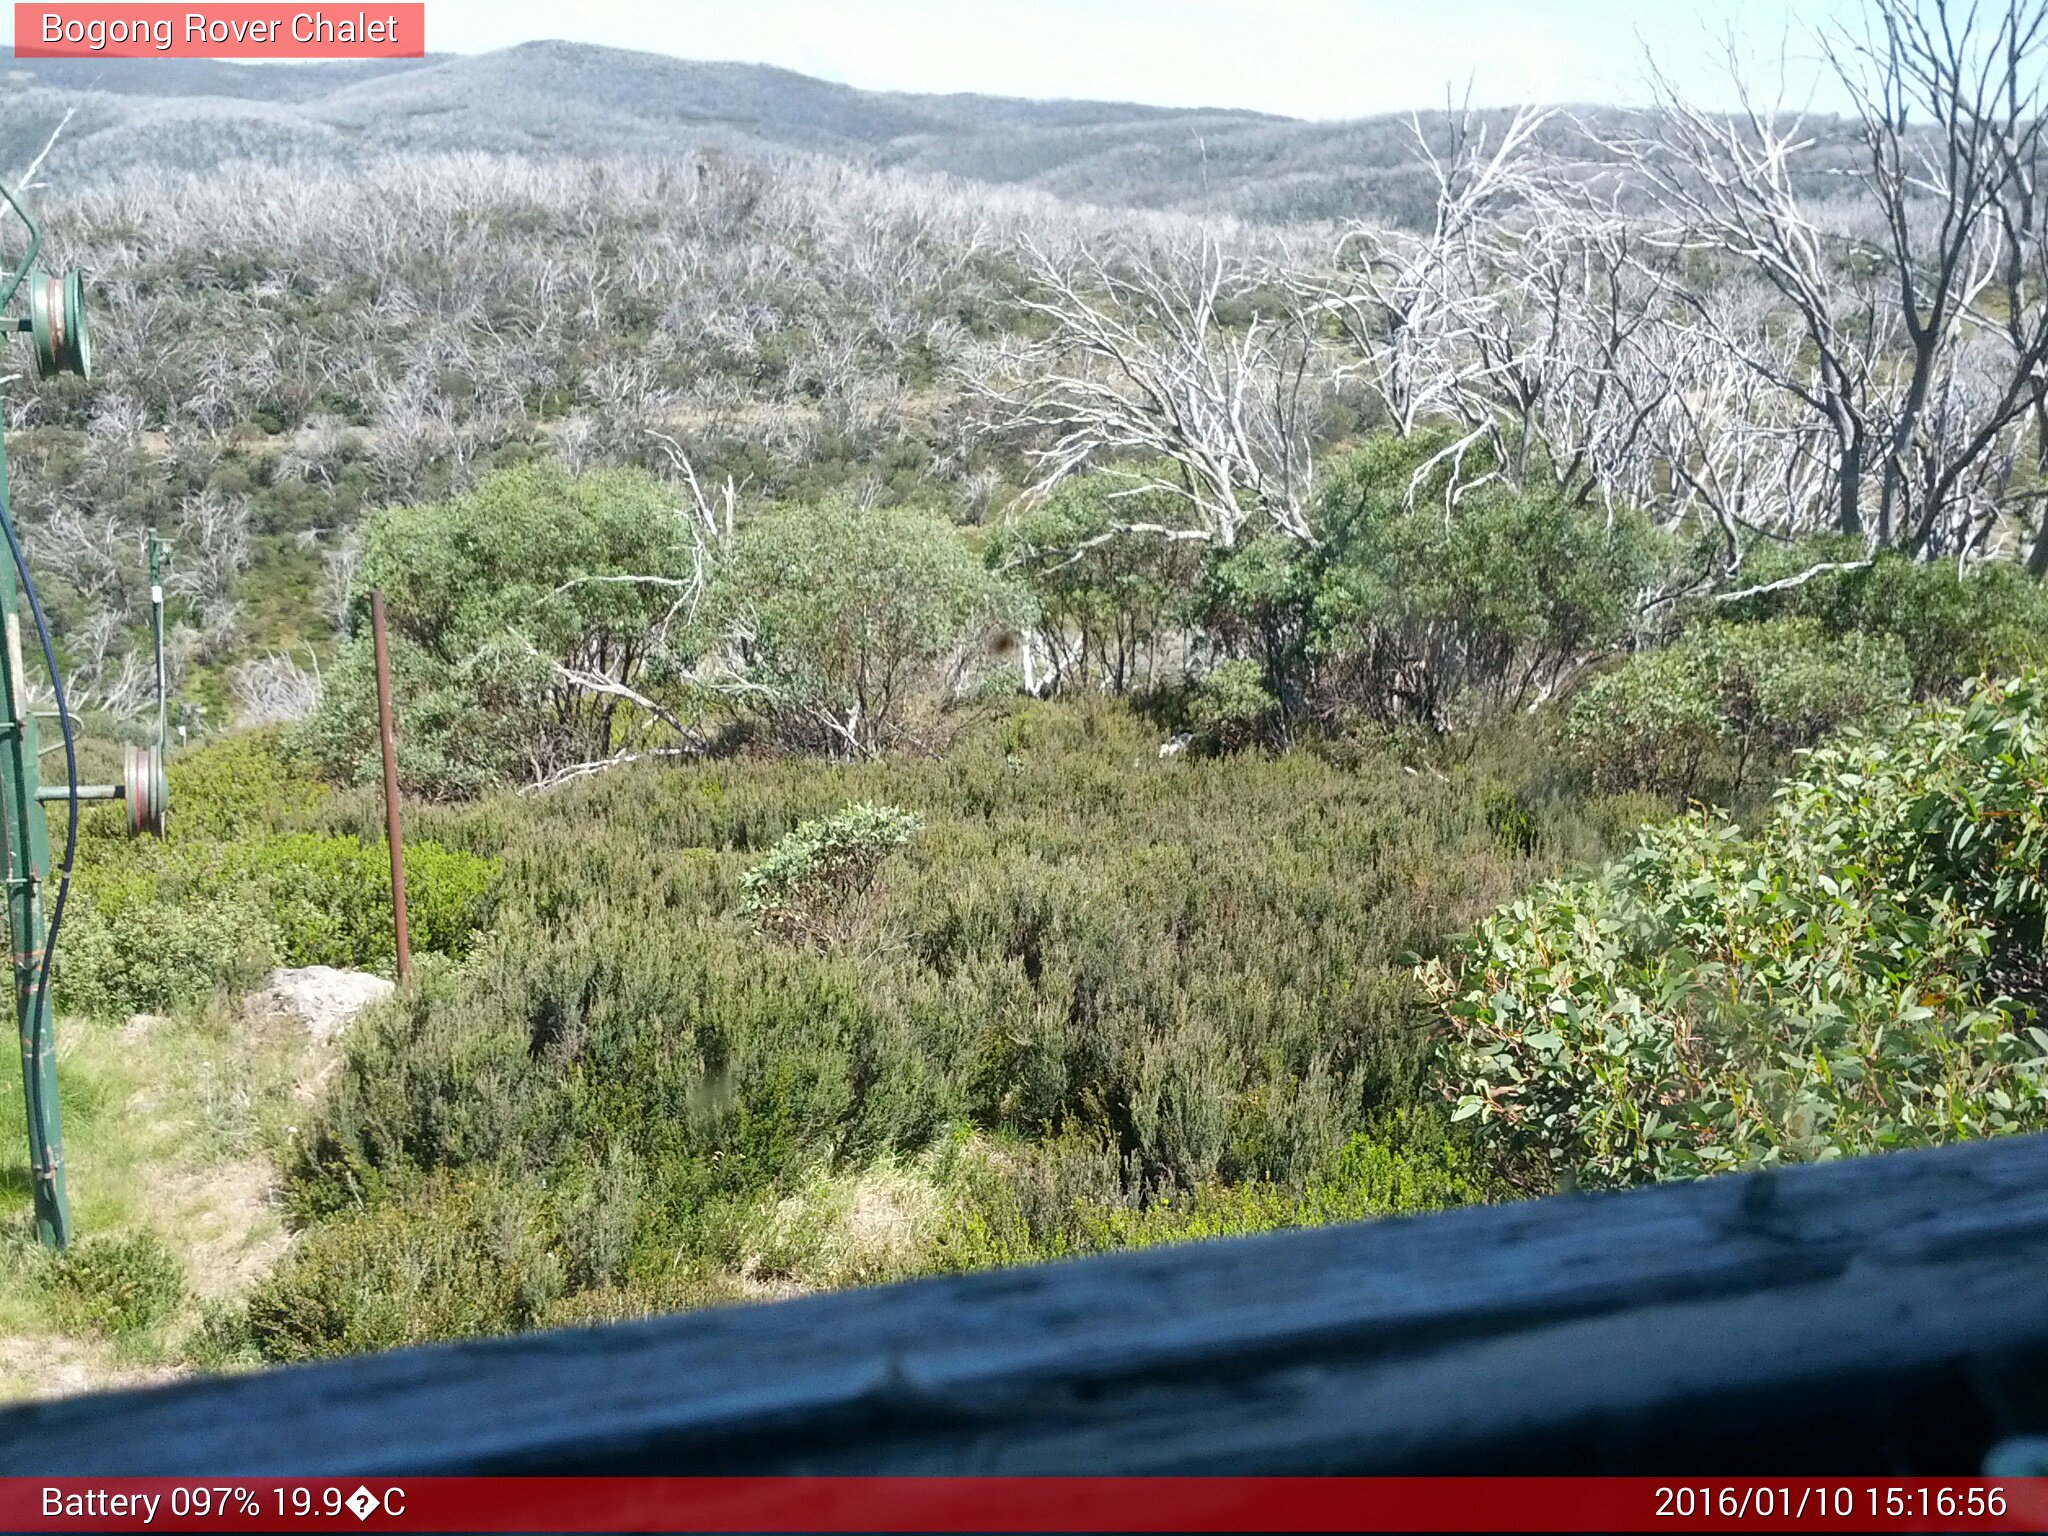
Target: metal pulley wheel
[(146, 791), (57, 323)]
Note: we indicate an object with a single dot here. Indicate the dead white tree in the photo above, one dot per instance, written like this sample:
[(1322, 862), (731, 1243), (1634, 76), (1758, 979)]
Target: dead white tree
[(1408, 304), (1175, 369), (1890, 308), (25, 179), (1529, 314), (710, 513), (274, 689), (1574, 349), (1738, 456)]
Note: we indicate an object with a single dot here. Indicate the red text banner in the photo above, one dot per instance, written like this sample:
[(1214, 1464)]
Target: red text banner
[(1023, 1504), (224, 31)]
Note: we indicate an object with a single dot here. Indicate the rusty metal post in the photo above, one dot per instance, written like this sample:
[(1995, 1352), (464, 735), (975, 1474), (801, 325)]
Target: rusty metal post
[(389, 731)]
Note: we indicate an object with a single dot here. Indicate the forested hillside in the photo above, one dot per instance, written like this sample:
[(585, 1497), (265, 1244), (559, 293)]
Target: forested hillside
[(562, 98), (1085, 700), (557, 98)]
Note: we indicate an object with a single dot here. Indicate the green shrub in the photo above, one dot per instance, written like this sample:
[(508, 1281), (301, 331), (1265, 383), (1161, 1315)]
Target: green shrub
[(150, 955), (220, 1342), (330, 897), (1257, 602), (1829, 986), (855, 630), (1196, 975), (235, 786), (234, 891), (1408, 610), (1415, 1169), (440, 1079), (1063, 1198), (465, 1262), (811, 880), (165, 925), (1706, 712), (1111, 604), (490, 596), (1956, 802), (1231, 708), (1654, 722), (1953, 625), (118, 1285)]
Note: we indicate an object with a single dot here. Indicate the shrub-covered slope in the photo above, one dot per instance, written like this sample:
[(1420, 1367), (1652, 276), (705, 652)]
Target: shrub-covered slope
[(1096, 997)]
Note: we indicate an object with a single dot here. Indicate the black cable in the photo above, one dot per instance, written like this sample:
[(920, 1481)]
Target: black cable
[(35, 244), (35, 608)]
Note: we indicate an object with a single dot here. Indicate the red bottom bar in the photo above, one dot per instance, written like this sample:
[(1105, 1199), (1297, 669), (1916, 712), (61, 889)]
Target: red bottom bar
[(1024, 1504)]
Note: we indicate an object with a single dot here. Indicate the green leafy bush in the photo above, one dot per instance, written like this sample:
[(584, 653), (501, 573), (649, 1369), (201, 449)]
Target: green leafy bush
[(1706, 712), (1654, 722), (1953, 624), (178, 921), (1828, 986), (234, 786), (1956, 803), (151, 955), (119, 1286), (811, 880), (330, 897), (153, 926), (503, 605), (1408, 610), (1111, 604), (1231, 708), (1257, 602), (854, 630)]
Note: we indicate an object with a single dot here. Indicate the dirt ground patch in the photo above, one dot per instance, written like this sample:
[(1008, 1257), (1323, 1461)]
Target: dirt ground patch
[(55, 1365)]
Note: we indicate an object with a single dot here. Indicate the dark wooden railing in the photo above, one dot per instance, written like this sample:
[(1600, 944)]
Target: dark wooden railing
[(1883, 1315)]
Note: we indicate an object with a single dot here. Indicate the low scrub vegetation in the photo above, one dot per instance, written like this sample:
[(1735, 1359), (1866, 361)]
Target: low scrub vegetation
[(849, 630), (244, 883), (1728, 701), (1094, 998), (774, 936), (813, 881), (825, 955)]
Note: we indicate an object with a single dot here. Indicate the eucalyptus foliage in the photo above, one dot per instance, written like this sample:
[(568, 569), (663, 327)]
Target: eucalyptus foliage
[(526, 617), (1830, 985), (1114, 585), (853, 629), (1952, 623), (1725, 699), (1406, 609)]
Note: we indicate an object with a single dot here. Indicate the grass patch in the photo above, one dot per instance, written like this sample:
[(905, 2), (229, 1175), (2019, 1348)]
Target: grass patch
[(172, 1136)]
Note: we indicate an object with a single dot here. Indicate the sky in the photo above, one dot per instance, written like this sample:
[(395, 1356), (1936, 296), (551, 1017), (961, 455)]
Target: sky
[(1302, 58)]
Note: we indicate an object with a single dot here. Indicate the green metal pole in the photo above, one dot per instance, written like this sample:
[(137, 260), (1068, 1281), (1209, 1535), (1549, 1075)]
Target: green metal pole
[(25, 831)]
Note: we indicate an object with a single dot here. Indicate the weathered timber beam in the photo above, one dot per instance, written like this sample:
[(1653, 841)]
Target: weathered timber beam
[(1884, 1314)]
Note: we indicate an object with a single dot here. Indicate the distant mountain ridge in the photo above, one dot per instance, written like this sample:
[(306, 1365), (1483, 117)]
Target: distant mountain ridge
[(556, 97)]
